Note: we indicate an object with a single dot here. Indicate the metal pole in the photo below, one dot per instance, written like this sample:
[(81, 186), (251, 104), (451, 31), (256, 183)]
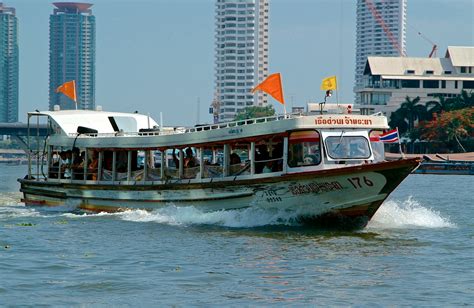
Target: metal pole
[(252, 158), (29, 150), (145, 165), (37, 148), (85, 164), (225, 169), (285, 154), (114, 165), (181, 163), (201, 163), (162, 169), (129, 166), (99, 166)]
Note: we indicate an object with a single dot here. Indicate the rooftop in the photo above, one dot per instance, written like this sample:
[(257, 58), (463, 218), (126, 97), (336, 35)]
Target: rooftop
[(72, 7)]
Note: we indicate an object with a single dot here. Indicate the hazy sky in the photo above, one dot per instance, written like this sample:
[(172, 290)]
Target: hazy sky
[(158, 55)]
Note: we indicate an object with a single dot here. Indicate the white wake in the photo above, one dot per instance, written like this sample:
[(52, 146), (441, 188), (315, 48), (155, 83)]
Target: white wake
[(407, 214)]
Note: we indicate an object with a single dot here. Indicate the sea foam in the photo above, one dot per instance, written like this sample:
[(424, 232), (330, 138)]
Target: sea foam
[(394, 214)]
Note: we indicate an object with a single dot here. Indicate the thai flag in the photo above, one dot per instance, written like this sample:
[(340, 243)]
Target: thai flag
[(390, 136)]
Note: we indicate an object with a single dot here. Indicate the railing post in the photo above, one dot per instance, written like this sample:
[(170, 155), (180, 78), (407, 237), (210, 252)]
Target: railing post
[(201, 163), (114, 165), (86, 165), (181, 164), (285, 154), (28, 145), (225, 167), (162, 169), (252, 157), (129, 166), (145, 165), (99, 166)]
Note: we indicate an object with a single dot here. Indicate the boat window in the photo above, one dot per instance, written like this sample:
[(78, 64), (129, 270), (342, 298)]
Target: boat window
[(347, 147), (239, 162), (124, 124), (213, 162), (304, 149), (378, 148), (269, 155)]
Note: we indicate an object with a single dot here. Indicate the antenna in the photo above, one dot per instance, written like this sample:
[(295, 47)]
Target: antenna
[(198, 120)]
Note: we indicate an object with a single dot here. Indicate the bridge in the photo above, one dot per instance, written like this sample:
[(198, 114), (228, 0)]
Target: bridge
[(19, 131)]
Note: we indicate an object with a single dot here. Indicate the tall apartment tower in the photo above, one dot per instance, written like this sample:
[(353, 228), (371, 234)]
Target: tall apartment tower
[(241, 54), (72, 54), (8, 64), (381, 31)]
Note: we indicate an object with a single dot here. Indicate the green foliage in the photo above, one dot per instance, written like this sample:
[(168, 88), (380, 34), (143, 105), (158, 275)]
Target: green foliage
[(255, 112)]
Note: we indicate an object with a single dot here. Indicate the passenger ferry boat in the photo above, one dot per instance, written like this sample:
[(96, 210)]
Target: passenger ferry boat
[(322, 167)]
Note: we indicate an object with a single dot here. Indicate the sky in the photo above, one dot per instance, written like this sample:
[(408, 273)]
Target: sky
[(157, 56)]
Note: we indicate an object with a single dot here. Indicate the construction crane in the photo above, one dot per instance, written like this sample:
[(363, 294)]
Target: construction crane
[(375, 13), (435, 47)]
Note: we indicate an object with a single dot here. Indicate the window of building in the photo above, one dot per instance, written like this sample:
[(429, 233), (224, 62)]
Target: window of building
[(410, 83), (468, 84), (463, 69), (429, 72), (443, 84), (430, 84)]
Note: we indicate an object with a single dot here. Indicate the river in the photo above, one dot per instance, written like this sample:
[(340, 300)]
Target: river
[(417, 251)]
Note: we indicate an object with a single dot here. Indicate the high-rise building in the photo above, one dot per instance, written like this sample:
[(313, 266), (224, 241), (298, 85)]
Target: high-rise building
[(241, 54), (381, 31), (8, 64), (72, 54)]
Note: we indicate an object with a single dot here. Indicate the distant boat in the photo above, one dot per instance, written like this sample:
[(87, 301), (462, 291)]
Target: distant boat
[(322, 167), (445, 166)]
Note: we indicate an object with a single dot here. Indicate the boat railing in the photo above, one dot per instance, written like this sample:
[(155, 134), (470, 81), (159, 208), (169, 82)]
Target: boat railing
[(175, 131)]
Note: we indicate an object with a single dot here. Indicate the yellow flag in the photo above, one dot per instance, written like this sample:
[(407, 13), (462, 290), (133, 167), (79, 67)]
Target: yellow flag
[(329, 83)]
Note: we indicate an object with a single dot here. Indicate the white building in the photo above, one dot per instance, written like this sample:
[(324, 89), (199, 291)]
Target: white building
[(389, 80), (381, 31), (241, 54)]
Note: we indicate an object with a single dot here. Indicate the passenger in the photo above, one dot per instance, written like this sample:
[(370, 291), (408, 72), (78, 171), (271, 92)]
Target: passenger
[(175, 159), (65, 157), (190, 161), (295, 155), (92, 167), (261, 154), (234, 159), (77, 164)]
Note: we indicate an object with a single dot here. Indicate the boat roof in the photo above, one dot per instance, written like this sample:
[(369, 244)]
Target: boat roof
[(180, 136), (102, 121)]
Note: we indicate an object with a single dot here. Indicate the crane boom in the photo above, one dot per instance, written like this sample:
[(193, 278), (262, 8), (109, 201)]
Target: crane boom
[(373, 10)]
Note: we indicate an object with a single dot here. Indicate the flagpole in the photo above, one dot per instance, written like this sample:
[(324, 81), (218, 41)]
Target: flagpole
[(400, 144)]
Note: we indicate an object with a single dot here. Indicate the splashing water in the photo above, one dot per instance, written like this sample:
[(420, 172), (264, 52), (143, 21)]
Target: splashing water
[(245, 218), (407, 214)]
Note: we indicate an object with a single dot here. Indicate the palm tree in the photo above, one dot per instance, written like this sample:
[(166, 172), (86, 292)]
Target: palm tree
[(397, 119), (440, 105), (412, 111), (464, 100)]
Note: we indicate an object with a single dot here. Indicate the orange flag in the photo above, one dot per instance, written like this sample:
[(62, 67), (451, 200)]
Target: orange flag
[(69, 89), (272, 86)]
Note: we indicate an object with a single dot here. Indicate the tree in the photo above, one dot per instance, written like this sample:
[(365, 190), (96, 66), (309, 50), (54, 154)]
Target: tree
[(409, 112), (440, 105), (397, 119), (254, 112), (450, 126)]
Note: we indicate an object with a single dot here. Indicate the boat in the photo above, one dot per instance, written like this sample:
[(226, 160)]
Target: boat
[(323, 167), (444, 165)]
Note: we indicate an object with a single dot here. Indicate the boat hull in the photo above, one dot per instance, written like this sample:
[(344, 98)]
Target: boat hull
[(314, 197)]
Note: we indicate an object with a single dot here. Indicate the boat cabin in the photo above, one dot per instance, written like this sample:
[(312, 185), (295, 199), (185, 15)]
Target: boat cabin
[(110, 148)]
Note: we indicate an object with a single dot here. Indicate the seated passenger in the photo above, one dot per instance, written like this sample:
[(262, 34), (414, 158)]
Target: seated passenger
[(190, 161)]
